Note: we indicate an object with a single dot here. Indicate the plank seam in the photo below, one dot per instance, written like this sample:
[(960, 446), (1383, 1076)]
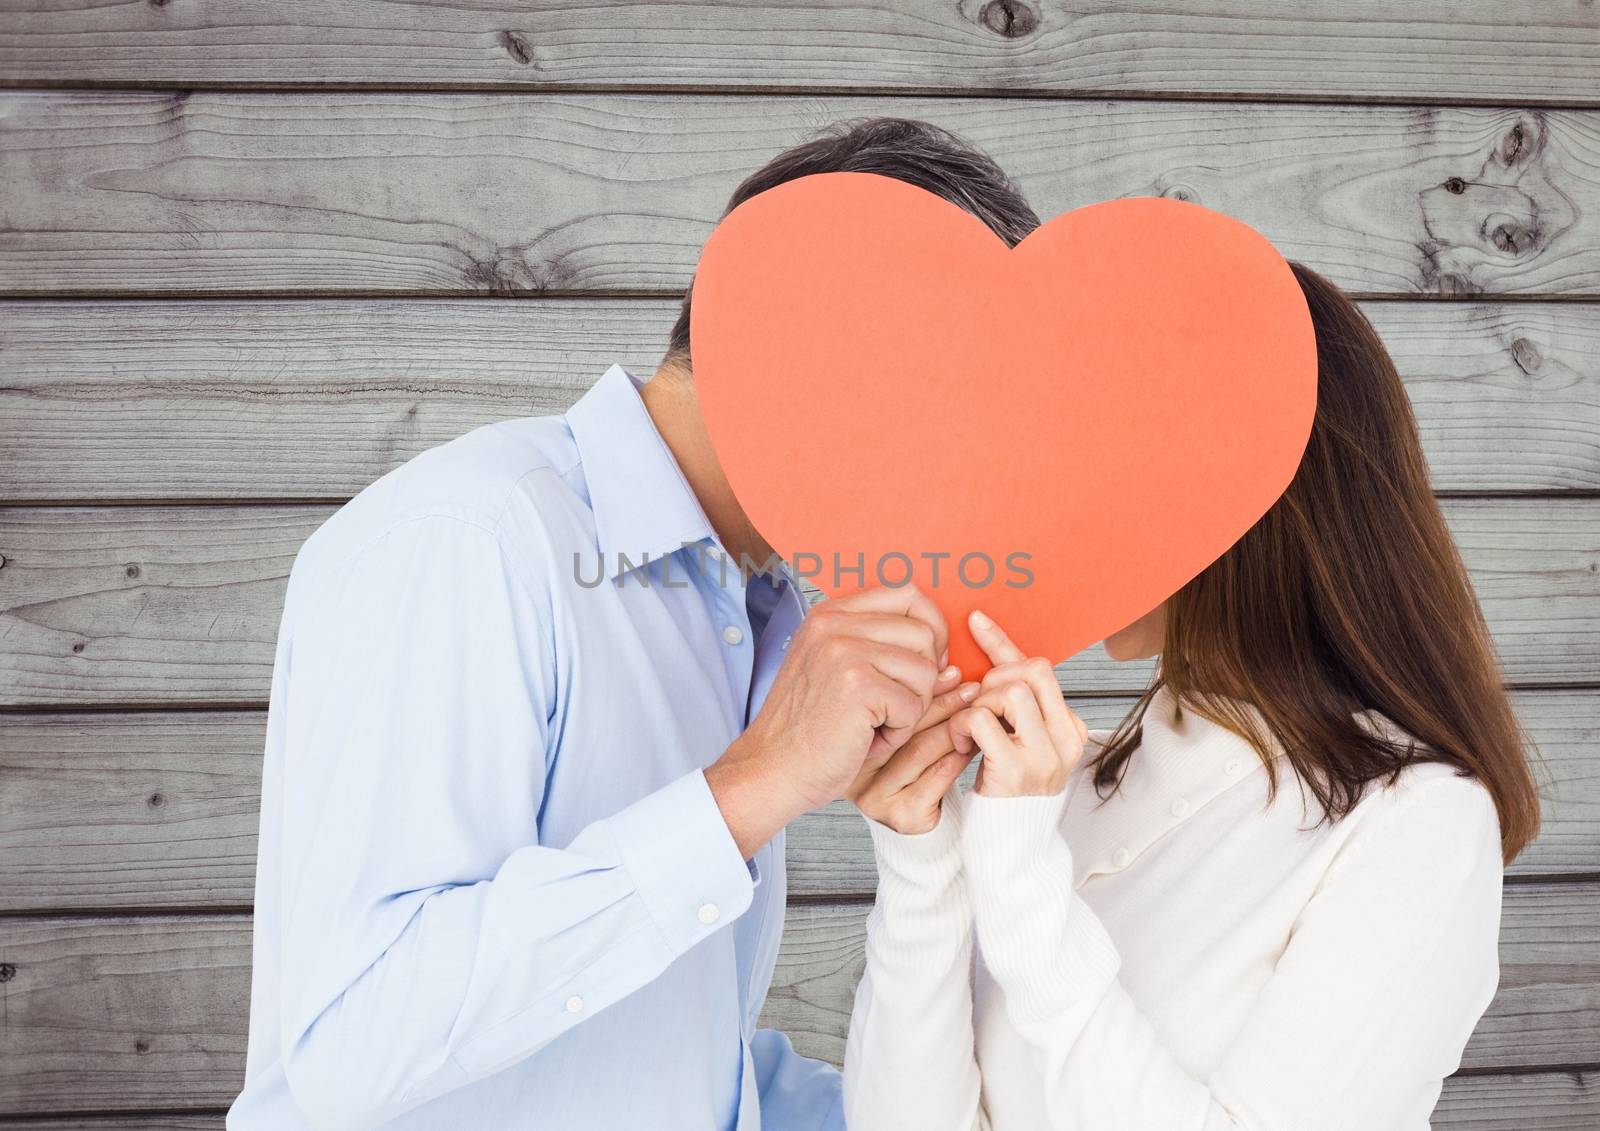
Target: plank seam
[(819, 90)]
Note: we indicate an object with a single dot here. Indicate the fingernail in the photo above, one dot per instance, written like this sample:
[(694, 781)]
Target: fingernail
[(978, 619), (949, 673), (968, 692), (944, 657)]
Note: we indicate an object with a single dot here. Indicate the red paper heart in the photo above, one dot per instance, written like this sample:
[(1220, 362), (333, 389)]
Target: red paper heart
[(1120, 397)]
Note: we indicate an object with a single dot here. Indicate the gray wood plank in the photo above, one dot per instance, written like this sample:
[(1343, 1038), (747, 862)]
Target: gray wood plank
[(111, 1015), (1430, 50), (181, 604), (122, 1014), (302, 399), (148, 810), (1546, 1101), (442, 194), (1550, 1101), (158, 811)]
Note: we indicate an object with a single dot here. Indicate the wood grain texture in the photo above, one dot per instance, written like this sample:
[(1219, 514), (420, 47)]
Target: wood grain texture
[(1546, 1101), (120, 1014), (158, 811), (301, 399), (136, 605), (1430, 50), (446, 194)]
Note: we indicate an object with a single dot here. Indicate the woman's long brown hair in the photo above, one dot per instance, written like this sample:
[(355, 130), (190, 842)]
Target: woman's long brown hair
[(1347, 596)]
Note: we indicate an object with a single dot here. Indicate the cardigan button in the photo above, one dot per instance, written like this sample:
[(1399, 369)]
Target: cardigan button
[(1232, 766), (1121, 857), (1180, 808)]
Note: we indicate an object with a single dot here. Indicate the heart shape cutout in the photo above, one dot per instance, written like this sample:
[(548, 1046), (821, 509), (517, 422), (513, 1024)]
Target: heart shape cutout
[(1119, 397)]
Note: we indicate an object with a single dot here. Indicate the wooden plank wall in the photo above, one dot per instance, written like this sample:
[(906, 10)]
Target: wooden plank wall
[(253, 256)]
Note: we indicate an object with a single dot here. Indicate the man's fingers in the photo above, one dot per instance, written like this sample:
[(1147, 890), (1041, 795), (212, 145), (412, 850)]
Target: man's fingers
[(908, 601), (992, 639), (911, 669), (900, 694), (888, 628), (947, 703), (943, 706)]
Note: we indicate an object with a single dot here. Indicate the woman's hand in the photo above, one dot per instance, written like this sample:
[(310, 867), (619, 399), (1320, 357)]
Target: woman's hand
[(1031, 740), (904, 791)]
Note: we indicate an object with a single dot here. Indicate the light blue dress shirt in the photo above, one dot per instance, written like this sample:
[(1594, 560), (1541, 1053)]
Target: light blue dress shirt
[(494, 890)]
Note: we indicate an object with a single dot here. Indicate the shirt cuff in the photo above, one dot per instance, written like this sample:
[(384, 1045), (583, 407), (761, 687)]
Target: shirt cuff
[(683, 860), (1042, 943)]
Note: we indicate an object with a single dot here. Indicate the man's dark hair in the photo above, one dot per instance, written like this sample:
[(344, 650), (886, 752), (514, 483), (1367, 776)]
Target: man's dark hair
[(915, 152)]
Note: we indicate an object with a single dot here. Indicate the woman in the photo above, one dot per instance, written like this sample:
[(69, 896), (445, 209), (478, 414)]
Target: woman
[(1270, 899)]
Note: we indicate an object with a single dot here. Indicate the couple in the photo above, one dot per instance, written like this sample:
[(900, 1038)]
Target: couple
[(521, 855)]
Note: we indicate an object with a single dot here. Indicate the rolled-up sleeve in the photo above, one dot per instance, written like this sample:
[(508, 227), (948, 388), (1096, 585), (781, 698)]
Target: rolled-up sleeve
[(429, 937)]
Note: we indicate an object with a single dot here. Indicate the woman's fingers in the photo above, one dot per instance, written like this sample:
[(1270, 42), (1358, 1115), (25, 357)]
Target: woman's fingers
[(1064, 727), (915, 749), (992, 639), (935, 781), (981, 727), (1016, 705), (905, 793)]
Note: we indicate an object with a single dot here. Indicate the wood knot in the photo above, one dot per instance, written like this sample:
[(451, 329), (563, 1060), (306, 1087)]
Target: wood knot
[(157, 800), (1526, 355), (1009, 19), (77, 648), (158, 3), (1522, 142), (131, 571), (517, 47), (3, 561), (141, 1046), (1455, 185), (7, 971), (1513, 238)]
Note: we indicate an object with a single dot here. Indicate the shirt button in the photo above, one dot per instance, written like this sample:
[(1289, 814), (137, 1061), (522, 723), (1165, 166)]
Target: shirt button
[(574, 1004), (709, 913), (1121, 857), (732, 634), (1180, 807), (1232, 766)]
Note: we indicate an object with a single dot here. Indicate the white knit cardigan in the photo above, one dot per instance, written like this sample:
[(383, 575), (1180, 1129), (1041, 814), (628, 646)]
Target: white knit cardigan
[(1183, 956)]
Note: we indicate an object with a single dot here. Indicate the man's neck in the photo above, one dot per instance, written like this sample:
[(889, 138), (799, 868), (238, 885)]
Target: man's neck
[(670, 399)]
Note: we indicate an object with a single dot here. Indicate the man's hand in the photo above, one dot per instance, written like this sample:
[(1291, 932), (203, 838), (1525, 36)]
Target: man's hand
[(906, 791), (860, 674)]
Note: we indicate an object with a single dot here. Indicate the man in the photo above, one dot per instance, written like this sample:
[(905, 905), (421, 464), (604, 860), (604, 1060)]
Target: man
[(532, 744)]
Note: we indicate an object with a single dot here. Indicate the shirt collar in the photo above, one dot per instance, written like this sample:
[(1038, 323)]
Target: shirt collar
[(642, 502), (1183, 763)]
